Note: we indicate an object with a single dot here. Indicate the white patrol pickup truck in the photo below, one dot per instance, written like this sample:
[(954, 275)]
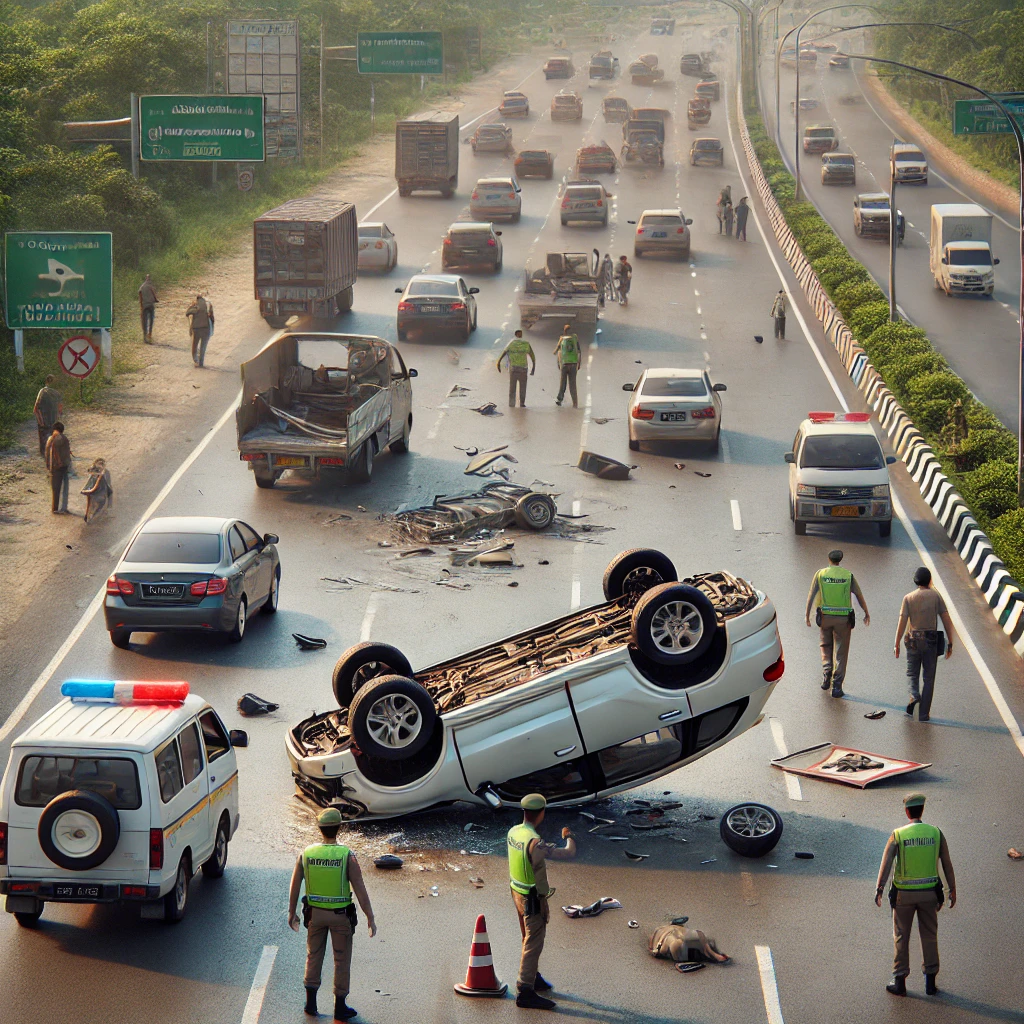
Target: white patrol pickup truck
[(837, 473), (121, 792)]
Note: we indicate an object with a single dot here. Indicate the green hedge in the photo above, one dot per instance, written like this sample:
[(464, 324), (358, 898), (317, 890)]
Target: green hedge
[(977, 452)]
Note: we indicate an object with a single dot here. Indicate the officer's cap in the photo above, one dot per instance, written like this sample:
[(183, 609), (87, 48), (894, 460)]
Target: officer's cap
[(332, 816), (914, 800), (533, 802), (835, 555)]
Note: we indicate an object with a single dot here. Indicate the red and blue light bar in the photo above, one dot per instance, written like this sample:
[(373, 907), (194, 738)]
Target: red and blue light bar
[(110, 692), (839, 417)]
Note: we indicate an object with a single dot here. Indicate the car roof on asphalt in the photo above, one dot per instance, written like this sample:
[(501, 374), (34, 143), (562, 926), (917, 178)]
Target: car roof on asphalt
[(185, 524)]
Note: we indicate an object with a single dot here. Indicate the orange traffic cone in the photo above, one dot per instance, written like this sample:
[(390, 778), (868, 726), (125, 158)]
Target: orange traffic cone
[(480, 977)]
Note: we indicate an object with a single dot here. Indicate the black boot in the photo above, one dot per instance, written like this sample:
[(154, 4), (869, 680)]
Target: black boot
[(311, 1002), (898, 986), (542, 984), (930, 988), (910, 706), (827, 681), (342, 1011), (529, 1000)]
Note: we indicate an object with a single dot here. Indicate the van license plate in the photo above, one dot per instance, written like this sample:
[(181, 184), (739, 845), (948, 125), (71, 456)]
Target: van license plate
[(77, 892), (845, 510), (289, 460)]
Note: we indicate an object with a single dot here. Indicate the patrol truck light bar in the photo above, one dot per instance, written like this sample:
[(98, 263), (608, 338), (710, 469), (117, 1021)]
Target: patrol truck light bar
[(124, 692), (839, 417)]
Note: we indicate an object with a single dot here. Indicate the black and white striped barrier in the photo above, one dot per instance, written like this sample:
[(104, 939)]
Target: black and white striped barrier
[(1003, 594)]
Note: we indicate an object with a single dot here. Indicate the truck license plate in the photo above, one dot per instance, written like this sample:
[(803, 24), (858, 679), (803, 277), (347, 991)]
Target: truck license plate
[(289, 460), (673, 417), (845, 510)]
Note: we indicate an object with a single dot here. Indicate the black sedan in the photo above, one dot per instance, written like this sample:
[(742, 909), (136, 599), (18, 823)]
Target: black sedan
[(437, 303), (196, 573)]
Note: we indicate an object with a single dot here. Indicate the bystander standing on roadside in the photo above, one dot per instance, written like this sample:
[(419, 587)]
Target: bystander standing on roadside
[(147, 309), (48, 409), (742, 212), (98, 490), (779, 314), (201, 318), (568, 352), (58, 463), (921, 610), (728, 216)]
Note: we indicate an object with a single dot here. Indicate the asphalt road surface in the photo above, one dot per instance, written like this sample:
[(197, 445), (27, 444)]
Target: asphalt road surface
[(978, 336), (809, 945)]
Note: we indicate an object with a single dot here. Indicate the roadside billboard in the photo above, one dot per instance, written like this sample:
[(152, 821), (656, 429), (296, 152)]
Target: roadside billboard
[(59, 279), (203, 128), (399, 53)]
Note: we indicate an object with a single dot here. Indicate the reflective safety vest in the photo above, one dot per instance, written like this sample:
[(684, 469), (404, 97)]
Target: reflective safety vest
[(569, 349), (518, 350), (520, 869), (917, 856), (836, 586), (325, 869)]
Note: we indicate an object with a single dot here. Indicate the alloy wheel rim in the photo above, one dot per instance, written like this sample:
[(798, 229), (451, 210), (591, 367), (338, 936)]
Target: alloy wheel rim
[(241, 617), (180, 888), (677, 627), (641, 579), (750, 821), (538, 513), (394, 721)]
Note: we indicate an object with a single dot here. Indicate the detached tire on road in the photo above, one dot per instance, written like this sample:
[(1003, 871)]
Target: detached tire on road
[(392, 718), (674, 624), (535, 511), (751, 830), (78, 830), (635, 571), (363, 662)]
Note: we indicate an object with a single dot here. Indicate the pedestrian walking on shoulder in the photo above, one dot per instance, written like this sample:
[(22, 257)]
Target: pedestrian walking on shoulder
[(779, 314), (728, 216), (331, 875), (742, 212), (48, 409), (147, 309), (98, 490), (201, 314), (831, 595), (568, 352), (518, 351), (913, 854), (528, 876), (58, 463), (921, 610), (623, 279)]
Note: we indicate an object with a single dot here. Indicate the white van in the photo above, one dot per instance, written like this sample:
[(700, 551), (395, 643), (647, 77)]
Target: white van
[(909, 162), (120, 793)]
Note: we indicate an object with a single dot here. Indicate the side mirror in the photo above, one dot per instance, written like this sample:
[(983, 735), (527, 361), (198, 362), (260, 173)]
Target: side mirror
[(238, 738), (790, 457), (474, 291), (271, 538), (995, 263), (890, 459), (945, 262), (414, 373), (630, 221), (688, 220), (627, 387), (398, 291), (719, 387)]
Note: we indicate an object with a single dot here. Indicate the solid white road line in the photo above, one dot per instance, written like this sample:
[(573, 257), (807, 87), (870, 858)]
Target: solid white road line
[(987, 677), (792, 782), (253, 1005), (769, 987), (368, 616), (97, 602), (737, 521)]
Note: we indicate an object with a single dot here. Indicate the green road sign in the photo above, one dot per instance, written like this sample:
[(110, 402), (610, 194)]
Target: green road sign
[(980, 117), (205, 128), (59, 279), (400, 53)]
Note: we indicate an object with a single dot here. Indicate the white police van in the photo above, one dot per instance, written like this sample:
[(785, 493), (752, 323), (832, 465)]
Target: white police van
[(121, 792)]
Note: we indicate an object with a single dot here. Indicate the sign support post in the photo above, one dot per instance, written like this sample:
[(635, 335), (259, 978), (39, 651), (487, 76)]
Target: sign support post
[(107, 353), (19, 349), (136, 145)]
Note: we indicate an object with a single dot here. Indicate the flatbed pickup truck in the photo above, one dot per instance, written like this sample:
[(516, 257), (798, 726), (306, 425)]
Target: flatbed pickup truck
[(565, 289), (311, 400)]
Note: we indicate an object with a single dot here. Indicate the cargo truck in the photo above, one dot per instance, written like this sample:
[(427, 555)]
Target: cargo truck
[(961, 249), (305, 253), (427, 154)]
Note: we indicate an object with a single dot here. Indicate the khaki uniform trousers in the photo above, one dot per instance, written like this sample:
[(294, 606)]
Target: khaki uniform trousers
[(835, 647), (517, 379), (925, 904), (321, 924), (534, 928)]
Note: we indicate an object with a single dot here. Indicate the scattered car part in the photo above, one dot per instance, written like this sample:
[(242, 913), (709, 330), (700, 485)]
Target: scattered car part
[(388, 862), (592, 909), (249, 704), (392, 717), (751, 830), (635, 856), (363, 662), (688, 968), (632, 924), (309, 643), (803, 855), (603, 467)]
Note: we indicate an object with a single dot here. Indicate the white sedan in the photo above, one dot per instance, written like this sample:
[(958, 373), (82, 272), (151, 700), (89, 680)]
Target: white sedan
[(496, 197), (674, 405), (593, 703), (378, 247)]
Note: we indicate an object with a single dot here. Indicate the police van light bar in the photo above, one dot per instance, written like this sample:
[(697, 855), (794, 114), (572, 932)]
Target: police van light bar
[(124, 692), (839, 417)]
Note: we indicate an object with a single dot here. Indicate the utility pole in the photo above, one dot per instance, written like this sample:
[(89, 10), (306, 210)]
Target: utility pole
[(321, 94), (894, 237)]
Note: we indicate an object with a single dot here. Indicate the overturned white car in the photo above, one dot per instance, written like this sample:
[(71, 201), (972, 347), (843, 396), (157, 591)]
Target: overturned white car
[(590, 704)]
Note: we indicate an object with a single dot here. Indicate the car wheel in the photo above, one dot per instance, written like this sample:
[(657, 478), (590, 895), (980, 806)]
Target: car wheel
[(885, 529), (176, 901), (237, 632), (402, 334), (637, 253), (476, 313), (28, 919), (632, 573), (277, 322), (856, 230), (78, 830), (674, 624), (401, 445), (265, 478), (751, 830), (799, 528), (466, 331), (121, 638), (564, 222), (535, 511), (363, 662), (717, 442), (214, 867), (392, 717), (361, 471), (270, 605), (634, 446)]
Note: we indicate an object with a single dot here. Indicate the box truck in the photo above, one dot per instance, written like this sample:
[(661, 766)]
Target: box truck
[(427, 154), (961, 249)]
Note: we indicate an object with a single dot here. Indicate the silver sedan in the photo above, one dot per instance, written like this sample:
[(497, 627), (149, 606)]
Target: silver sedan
[(674, 405)]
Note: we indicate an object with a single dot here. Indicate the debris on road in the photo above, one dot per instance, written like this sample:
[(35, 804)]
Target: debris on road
[(249, 705), (412, 552), (635, 856), (388, 862), (697, 472), (309, 643), (759, 339), (632, 924), (875, 715), (603, 467), (689, 968), (602, 420), (349, 582), (487, 409), (595, 818), (486, 464), (476, 882), (681, 920), (680, 465), (543, 561), (1014, 854), (513, 584), (710, 860), (846, 765), (472, 826), (384, 544), (458, 389), (803, 855), (592, 909), (338, 518), (853, 763)]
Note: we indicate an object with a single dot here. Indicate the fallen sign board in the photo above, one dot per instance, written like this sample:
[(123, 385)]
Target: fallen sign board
[(830, 761), (204, 128)]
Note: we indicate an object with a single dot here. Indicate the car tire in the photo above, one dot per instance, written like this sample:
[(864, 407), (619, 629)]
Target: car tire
[(717, 442), (636, 571), (799, 528), (92, 815), (361, 471), (885, 529), (535, 511), (214, 867), (637, 253), (401, 445), (516, 217), (466, 331), (402, 334), (751, 830), (270, 605), (265, 479), (28, 919), (176, 901), (404, 192), (564, 222), (476, 314), (237, 632), (856, 230), (392, 717), (634, 446), (674, 624), (121, 638), (363, 662), (277, 322)]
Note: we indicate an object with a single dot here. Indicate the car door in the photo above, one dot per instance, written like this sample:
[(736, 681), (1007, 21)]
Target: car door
[(245, 566), (197, 785), (470, 300), (264, 560), (392, 243), (185, 807), (401, 394), (222, 769), (793, 464)]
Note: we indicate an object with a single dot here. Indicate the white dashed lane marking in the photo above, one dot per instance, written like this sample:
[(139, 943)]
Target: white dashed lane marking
[(737, 521)]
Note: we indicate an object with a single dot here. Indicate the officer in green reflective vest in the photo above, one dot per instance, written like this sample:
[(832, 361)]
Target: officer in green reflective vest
[(916, 850), (832, 592), (528, 874), (518, 350), (331, 874), (568, 352)]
